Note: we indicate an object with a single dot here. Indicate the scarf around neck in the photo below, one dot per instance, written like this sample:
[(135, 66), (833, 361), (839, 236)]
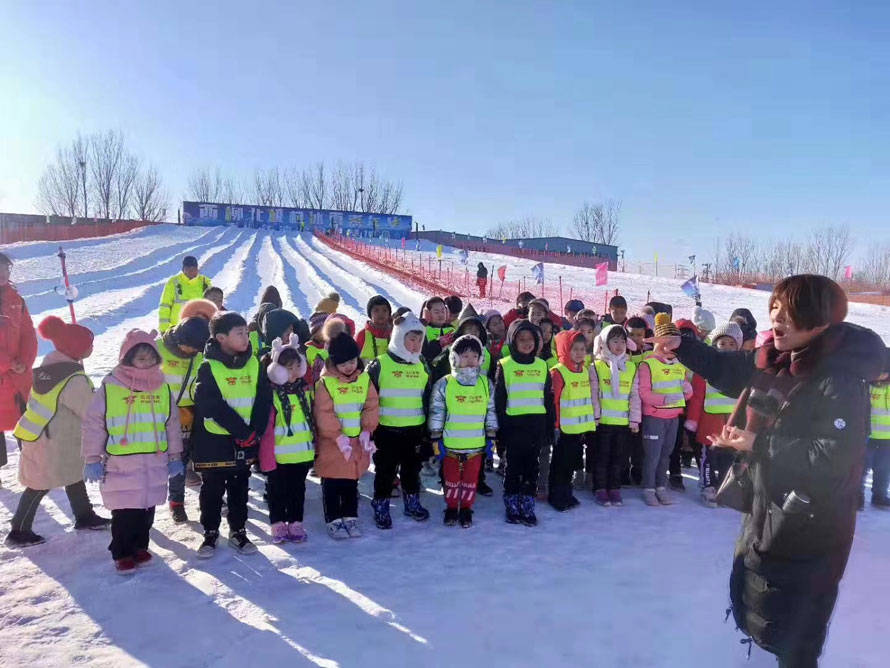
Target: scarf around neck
[(139, 380)]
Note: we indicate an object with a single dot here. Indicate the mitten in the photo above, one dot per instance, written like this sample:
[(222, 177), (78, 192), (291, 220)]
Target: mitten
[(343, 442), (94, 472), (489, 448), (367, 444), (248, 442), (175, 467)]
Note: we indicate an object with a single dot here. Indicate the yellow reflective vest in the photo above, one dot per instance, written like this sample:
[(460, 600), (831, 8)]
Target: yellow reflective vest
[(525, 386), (180, 374), (41, 408), (177, 292), (719, 404), (238, 389), (576, 414), (372, 347), (136, 422), (349, 400), (467, 407), (667, 379), (615, 410), (401, 393), (293, 440), (880, 412)]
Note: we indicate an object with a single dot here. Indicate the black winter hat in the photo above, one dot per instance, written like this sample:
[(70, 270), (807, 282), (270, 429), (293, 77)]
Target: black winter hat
[(189, 261), (342, 348), (378, 300), (275, 322), (192, 332), (462, 325), (519, 325), (747, 316)]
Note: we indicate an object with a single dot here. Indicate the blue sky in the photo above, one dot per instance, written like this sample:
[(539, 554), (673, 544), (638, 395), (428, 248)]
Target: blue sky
[(702, 119)]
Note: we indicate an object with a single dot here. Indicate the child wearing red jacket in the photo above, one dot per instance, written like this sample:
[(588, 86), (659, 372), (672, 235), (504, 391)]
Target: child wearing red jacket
[(707, 414)]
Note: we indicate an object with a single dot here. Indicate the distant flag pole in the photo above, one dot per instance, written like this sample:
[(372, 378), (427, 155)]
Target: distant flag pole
[(656, 264), (848, 272), (602, 274)]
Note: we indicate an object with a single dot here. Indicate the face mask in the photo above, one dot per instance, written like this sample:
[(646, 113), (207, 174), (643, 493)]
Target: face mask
[(467, 375)]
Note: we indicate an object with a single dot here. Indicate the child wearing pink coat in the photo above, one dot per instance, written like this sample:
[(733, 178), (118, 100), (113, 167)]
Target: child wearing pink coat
[(132, 444)]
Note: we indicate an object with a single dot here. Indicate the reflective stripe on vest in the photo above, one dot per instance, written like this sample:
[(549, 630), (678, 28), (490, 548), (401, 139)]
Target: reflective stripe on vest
[(467, 407), (176, 370), (41, 409), (293, 443), (575, 402), (238, 389), (254, 338), (435, 333), (667, 379), (401, 393), (717, 403), (525, 386), (880, 412), (485, 367), (372, 347), (349, 399), (615, 410), (136, 422)]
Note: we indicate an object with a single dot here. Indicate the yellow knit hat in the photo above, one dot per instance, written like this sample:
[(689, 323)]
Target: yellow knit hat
[(328, 304), (664, 326)]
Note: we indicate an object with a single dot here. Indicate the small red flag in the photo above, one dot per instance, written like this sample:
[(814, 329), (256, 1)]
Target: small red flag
[(502, 272), (602, 273)]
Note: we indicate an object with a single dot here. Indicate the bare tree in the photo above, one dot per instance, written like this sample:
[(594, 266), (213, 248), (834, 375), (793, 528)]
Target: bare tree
[(597, 223), (875, 267), (527, 226), (828, 248), (149, 199), (205, 185), (313, 187), (124, 180), (267, 187), (106, 157), (230, 191), (60, 190)]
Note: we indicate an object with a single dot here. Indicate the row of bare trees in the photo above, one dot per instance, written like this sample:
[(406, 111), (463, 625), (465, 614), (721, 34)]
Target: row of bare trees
[(345, 187), (98, 175), (598, 223), (527, 226)]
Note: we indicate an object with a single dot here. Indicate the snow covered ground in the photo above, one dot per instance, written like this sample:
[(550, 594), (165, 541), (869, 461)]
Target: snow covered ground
[(627, 586)]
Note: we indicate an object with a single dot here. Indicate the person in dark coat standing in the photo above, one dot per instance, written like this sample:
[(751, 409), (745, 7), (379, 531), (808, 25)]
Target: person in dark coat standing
[(481, 279), (801, 422)]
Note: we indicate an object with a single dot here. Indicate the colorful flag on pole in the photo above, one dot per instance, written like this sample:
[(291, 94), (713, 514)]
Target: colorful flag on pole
[(502, 272), (538, 272), (439, 251), (602, 273), (690, 288), (848, 272), (403, 243)]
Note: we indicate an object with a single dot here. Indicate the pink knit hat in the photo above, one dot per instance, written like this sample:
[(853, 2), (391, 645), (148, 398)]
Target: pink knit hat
[(133, 338)]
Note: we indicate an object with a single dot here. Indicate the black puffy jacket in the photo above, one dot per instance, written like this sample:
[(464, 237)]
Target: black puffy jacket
[(787, 566)]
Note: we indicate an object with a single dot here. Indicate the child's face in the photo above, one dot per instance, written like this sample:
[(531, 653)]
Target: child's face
[(578, 351), (637, 334), (496, 327), (216, 296), (379, 315), (348, 368), (525, 342), (619, 314), (236, 341), (617, 345), (589, 333), (726, 343), (473, 330), (664, 352), (293, 371), (522, 304), (190, 272), (546, 330), (188, 350), (285, 336), (468, 359), (414, 342), (536, 315), (453, 315), (144, 357), (438, 314)]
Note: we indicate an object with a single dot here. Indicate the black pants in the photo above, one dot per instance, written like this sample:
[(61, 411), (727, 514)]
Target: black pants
[(30, 500), (523, 450), (715, 463), (235, 486), (567, 457), (340, 496), (634, 475), (3, 455), (286, 492), (129, 531), (609, 456), (398, 450)]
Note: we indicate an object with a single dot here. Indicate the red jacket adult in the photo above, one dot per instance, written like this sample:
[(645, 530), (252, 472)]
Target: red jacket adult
[(18, 343)]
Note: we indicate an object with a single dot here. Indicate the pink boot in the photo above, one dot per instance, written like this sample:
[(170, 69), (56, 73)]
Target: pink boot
[(279, 532), (296, 533)]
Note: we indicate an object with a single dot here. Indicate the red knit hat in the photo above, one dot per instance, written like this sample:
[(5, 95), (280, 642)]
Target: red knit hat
[(75, 341)]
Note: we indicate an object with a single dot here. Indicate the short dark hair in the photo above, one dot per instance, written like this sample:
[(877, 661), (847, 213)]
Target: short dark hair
[(636, 322), (225, 321), (189, 261), (131, 353), (812, 300), (288, 356), (212, 289), (524, 297), (618, 302), (454, 303)]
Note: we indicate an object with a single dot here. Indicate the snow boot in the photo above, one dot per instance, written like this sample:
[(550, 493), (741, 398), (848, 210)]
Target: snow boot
[(142, 558), (296, 533), (615, 497), (177, 511), (527, 511), (483, 489), (337, 530), (709, 497), (352, 528), (663, 497), (208, 547), (677, 483), (465, 517), (414, 510), (511, 505), (382, 518), (20, 538), (279, 533), (451, 517), (602, 497), (573, 502), (240, 541), (650, 498), (125, 566), (92, 521)]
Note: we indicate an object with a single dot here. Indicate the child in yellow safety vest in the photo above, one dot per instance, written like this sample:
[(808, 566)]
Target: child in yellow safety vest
[(878, 449), (131, 444), (619, 415), (637, 330), (706, 415), (664, 391), (462, 424), (374, 338), (346, 414), (287, 448)]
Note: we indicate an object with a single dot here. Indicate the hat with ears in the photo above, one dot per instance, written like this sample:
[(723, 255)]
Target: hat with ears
[(137, 337), (278, 374)]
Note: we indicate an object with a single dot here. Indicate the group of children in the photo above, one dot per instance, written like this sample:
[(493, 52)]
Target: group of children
[(563, 402)]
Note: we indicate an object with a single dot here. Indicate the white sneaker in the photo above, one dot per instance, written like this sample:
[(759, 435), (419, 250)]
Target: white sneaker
[(352, 528), (709, 497), (337, 530), (663, 497)]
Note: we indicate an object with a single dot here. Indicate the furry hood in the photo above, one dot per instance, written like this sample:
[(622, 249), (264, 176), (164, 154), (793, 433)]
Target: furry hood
[(408, 323), (460, 344)]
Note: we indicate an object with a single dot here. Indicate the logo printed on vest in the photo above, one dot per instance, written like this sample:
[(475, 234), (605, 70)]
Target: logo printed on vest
[(231, 380)]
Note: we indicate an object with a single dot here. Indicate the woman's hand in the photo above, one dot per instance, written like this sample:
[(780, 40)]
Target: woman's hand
[(667, 342), (735, 438)]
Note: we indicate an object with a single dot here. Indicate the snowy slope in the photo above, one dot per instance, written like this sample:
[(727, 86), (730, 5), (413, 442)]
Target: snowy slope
[(627, 586)]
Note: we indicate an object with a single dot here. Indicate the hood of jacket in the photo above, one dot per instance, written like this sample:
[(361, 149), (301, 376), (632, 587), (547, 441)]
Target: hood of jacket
[(464, 375), (516, 327), (564, 342), (472, 319), (408, 323), (213, 351), (55, 368)]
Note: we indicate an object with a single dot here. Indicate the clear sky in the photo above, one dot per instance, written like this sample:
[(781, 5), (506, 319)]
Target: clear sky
[(701, 117)]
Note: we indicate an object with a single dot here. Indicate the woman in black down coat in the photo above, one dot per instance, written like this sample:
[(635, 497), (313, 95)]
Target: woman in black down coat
[(802, 420)]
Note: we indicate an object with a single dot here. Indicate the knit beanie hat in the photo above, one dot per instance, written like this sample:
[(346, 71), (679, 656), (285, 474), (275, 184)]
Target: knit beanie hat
[(202, 308), (75, 341), (703, 319), (316, 322), (136, 337), (192, 332), (378, 300), (664, 326), (329, 304), (342, 348), (731, 329)]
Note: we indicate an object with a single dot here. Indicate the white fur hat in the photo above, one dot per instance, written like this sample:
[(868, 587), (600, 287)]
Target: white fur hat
[(703, 320), (278, 374), (408, 322)]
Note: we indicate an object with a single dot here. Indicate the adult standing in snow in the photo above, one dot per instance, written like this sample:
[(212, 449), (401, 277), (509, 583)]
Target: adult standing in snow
[(18, 350), (801, 423), (187, 284), (481, 279)]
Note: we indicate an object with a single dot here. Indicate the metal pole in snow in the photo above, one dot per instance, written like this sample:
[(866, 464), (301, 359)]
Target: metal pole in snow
[(67, 285)]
